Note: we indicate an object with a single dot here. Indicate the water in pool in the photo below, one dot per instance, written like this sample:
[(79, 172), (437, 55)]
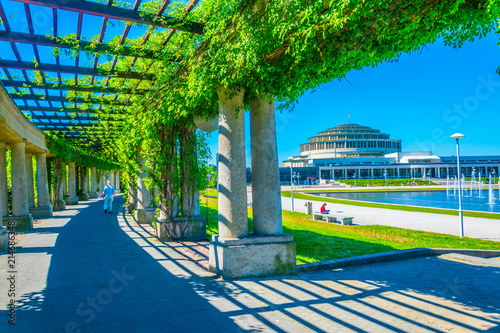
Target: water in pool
[(436, 199)]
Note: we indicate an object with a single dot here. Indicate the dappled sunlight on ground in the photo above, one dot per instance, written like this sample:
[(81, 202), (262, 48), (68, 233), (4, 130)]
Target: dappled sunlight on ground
[(376, 298)]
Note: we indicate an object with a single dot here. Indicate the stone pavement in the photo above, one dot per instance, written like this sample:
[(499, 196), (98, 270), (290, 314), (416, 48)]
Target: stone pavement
[(84, 271), (487, 229)]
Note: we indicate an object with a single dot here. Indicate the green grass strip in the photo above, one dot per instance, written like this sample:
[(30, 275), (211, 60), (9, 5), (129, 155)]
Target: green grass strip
[(298, 195), (319, 241)]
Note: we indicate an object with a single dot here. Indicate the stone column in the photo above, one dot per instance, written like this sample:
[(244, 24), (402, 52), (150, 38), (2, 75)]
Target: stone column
[(20, 208), (102, 180), (43, 209), (28, 158), (64, 185), (399, 174), (85, 181), (233, 217), (132, 195), (233, 253), (93, 181), (3, 180), (112, 177), (372, 172), (144, 212), (71, 199), (117, 176), (266, 195)]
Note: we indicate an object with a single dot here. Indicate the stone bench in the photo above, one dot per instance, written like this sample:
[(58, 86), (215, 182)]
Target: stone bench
[(342, 219)]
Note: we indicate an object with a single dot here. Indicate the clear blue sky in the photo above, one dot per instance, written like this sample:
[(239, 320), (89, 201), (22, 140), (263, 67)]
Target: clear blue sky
[(422, 100)]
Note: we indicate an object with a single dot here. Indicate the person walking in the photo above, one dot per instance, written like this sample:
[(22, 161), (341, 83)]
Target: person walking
[(109, 194)]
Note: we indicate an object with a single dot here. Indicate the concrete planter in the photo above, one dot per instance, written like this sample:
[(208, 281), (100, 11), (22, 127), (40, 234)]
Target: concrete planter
[(4, 240), (58, 205), (182, 228), (21, 223)]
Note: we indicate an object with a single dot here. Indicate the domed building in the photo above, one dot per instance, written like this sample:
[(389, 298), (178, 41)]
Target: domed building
[(345, 141), (355, 151)]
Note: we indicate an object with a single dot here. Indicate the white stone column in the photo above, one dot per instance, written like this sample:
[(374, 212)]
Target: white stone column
[(20, 208), (112, 177), (266, 195), (20, 205), (3, 180), (233, 217), (85, 180), (28, 158), (233, 253), (102, 180), (144, 213), (64, 185), (93, 181), (117, 175), (143, 193), (372, 172), (43, 209), (71, 199), (399, 175)]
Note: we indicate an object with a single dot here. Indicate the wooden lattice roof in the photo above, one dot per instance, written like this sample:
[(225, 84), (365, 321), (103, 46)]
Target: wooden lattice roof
[(63, 93)]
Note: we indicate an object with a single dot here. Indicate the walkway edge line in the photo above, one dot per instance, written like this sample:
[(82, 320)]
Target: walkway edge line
[(390, 256)]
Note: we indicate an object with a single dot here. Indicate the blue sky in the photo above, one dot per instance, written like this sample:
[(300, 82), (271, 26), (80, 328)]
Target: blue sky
[(422, 100)]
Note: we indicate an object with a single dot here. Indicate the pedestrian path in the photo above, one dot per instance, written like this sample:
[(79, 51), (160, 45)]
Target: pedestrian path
[(487, 229), (85, 271)]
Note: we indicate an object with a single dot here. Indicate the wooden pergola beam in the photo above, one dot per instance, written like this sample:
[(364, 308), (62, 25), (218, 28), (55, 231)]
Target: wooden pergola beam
[(68, 100), (20, 37), (24, 65), (118, 13), (70, 110), (71, 87), (37, 119)]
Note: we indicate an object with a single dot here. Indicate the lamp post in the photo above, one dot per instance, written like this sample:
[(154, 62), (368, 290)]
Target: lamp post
[(429, 176), (458, 136), (291, 177)]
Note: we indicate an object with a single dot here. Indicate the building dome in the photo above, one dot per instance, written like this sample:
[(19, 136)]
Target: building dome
[(349, 140)]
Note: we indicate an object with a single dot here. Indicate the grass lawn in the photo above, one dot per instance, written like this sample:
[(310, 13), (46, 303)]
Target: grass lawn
[(298, 195), (210, 191), (318, 241), (381, 182)]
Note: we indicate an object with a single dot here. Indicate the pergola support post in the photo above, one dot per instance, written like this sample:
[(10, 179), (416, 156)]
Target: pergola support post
[(71, 199), (20, 209), (43, 209), (144, 213), (234, 253)]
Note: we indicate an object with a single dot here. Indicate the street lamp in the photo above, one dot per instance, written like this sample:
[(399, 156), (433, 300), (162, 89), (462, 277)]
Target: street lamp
[(429, 176), (291, 177), (458, 136)]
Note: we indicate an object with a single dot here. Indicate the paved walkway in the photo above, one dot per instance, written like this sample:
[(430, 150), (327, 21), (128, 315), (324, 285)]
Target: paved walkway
[(84, 271), (488, 229)]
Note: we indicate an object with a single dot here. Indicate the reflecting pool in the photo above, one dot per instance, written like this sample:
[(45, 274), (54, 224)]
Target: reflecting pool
[(435, 199)]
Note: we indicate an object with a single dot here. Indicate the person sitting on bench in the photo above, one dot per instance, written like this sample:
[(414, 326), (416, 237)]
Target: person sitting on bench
[(324, 210)]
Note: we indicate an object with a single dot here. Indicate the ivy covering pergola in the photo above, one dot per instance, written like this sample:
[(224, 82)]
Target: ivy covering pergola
[(75, 100), (281, 48), (145, 90)]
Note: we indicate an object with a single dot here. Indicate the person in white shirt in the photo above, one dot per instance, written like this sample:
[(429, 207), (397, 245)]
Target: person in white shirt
[(109, 194)]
